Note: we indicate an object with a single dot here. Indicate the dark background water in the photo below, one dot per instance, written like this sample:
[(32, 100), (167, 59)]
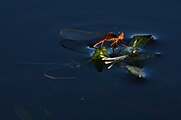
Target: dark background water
[(29, 33)]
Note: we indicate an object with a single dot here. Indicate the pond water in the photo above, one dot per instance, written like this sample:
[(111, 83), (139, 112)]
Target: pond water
[(30, 36)]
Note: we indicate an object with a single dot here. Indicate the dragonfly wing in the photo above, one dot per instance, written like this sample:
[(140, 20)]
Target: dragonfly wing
[(79, 40), (73, 34), (77, 47)]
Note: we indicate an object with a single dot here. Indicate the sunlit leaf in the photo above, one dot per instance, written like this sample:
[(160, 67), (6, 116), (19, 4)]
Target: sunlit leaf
[(99, 52), (97, 58), (142, 40)]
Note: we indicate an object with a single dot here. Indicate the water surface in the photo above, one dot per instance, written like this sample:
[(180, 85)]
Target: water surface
[(30, 34)]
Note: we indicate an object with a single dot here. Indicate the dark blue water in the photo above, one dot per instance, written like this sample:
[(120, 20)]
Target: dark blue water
[(29, 33)]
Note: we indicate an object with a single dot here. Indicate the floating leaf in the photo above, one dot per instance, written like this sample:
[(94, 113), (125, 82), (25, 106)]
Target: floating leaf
[(142, 57), (99, 65), (134, 70), (22, 114), (128, 51), (97, 57), (99, 52), (142, 40)]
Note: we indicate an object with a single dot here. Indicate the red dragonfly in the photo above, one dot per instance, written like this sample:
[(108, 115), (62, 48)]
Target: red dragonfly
[(111, 37), (73, 34)]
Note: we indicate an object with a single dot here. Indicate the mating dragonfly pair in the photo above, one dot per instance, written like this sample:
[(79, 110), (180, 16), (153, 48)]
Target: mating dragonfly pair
[(127, 55)]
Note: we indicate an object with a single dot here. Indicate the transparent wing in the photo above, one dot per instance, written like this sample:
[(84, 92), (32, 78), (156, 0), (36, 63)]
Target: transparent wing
[(73, 34), (79, 40), (77, 47)]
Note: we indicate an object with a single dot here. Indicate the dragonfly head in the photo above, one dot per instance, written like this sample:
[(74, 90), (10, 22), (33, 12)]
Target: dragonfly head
[(121, 35)]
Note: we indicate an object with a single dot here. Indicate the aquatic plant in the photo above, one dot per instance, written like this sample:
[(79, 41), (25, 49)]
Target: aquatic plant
[(121, 55)]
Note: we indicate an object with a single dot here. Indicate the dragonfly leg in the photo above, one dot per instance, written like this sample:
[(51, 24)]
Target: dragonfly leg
[(113, 46), (102, 41), (124, 45), (117, 42), (124, 42), (113, 43), (102, 44)]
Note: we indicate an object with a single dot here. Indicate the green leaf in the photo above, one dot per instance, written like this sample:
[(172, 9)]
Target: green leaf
[(99, 65), (142, 40), (99, 52), (134, 70), (97, 58)]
